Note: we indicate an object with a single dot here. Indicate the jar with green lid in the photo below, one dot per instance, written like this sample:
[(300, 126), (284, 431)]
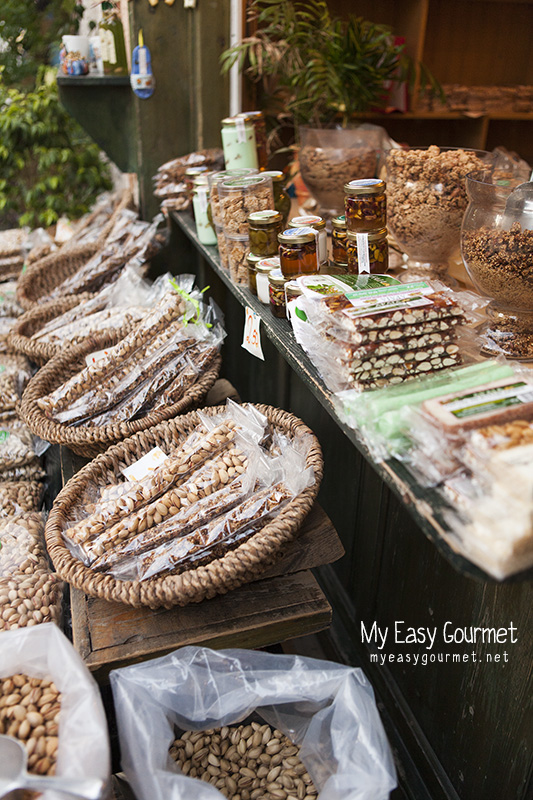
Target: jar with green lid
[(214, 178), (365, 205), (319, 224), (263, 230), (276, 291), (338, 240), (263, 268), (367, 252), (282, 201), (258, 120), (251, 262), (298, 252), (238, 142), (112, 43), (200, 203)]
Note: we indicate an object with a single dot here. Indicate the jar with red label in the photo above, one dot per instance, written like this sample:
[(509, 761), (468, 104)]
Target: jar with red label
[(298, 252), (338, 240), (365, 205), (367, 252)]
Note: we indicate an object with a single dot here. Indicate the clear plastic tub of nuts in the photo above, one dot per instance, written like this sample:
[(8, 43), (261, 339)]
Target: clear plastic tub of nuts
[(237, 249), (240, 197)]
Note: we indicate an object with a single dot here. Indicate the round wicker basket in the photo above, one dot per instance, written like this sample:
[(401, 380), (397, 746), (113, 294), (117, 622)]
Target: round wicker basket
[(237, 567), (89, 441), (33, 320)]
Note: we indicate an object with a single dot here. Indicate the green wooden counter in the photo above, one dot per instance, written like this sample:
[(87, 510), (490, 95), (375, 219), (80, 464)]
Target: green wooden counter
[(459, 714)]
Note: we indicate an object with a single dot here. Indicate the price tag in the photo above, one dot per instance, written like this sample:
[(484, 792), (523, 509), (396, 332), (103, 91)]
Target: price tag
[(252, 333), (141, 468), (93, 358)]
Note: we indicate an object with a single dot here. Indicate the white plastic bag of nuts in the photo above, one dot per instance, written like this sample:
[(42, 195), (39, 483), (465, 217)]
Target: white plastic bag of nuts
[(337, 749), (79, 748)]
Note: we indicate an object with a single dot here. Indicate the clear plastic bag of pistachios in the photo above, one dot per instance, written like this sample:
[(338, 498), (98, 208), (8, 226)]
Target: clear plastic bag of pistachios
[(327, 711)]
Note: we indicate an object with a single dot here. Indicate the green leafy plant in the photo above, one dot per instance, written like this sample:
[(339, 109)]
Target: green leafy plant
[(48, 166), (320, 68)]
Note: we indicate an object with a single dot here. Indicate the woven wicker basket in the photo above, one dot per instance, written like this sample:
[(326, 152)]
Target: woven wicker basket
[(237, 567), (45, 275), (84, 440), (33, 320)]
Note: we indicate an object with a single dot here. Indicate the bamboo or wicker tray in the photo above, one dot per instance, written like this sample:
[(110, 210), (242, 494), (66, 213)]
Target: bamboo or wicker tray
[(43, 276), (89, 441), (237, 567), (33, 320)]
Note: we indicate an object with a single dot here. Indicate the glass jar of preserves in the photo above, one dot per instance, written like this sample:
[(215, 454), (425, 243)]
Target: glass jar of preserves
[(263, 269), (365, 205), (276, 290), (251, 262), (238, 142), (319, 224), (338, 240), (263, 230), (258, 120), (200, 203), (282, 201), (298, 252), (367, 252)]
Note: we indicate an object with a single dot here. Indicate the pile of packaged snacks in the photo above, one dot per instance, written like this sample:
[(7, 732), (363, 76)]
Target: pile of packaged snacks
[(152, 366), (30, 593), (369, 338), (170, 186), (217, 488)]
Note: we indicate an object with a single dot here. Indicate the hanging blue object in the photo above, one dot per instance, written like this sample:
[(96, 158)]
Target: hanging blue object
[(141, 78)]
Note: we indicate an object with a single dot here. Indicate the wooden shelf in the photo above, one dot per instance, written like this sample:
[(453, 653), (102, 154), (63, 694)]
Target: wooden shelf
[(93, 80), (425, 505)]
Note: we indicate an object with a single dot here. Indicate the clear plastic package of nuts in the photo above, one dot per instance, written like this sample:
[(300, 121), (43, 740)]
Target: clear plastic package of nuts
[(240, 197)]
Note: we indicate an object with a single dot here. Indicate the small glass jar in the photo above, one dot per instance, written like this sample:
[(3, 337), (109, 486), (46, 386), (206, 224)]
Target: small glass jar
[(319, 224), (367, 252), (282, 200), (263, 230), (263, 269), (190, 176), (251, 262), (240, 197), (338, 240), (292, 291), (276, 291), (238, 142), (365, 205), (200, 203), (298, 253), (258, 120)]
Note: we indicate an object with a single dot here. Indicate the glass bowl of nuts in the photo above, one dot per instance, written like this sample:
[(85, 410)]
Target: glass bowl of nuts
[(426, 200), (497, 248)]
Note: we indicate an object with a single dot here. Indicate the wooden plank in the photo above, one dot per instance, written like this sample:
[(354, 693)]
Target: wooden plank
[(255, 615)]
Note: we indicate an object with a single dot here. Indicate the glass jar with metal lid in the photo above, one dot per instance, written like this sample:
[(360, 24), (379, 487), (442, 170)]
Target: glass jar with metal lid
[(214, 178), (282, 201), (298, 252), (200, 203), (263, 230), (276, 290), (258, 120), (365, 205), (338, 240), (319, 224), (367, 252), (238, 142), (263, 268), (251, 262)]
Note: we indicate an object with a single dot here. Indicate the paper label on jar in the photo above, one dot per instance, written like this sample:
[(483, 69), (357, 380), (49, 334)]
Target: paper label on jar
[(390, 298), (363, 253), (252, 333), (94, 358), (487, 400), (240, 127), (202, 198), (145, 465)]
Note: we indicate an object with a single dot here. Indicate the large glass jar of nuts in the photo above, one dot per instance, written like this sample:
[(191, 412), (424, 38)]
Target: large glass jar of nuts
[(497, 248), (298, 252)]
